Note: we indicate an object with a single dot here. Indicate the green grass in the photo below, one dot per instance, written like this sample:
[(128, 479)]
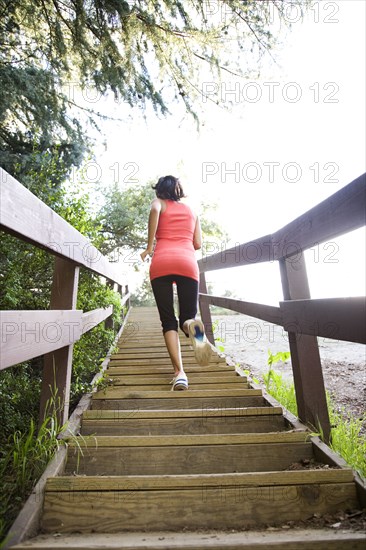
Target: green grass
[(23, 460), (347, 437)]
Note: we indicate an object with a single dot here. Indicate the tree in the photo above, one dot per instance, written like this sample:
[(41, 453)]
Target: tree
[(143, 52)]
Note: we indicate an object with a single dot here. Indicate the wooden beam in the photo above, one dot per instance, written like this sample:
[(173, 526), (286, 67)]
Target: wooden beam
[(335, 318), (253, 252), (260, 311), (28, 334), (205, 310), (91, 319), (55, 392), (338, 214), (24, 215), (305, 358)]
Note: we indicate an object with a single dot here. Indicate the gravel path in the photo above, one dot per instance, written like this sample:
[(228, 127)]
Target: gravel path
[(247, 340)]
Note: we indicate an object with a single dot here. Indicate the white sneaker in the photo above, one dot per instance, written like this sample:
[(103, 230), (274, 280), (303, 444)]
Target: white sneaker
[(180, 382), (201, 347)]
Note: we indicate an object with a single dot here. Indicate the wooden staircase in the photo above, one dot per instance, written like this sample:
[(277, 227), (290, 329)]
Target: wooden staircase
[(211, 467)]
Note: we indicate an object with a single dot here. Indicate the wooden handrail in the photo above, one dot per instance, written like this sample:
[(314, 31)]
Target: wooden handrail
[(342, 212), (303, 318), (25, 216), (51, 333)]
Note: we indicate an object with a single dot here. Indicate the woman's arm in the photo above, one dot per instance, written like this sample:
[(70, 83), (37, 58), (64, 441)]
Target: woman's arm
[(197, 236), (153, 225)]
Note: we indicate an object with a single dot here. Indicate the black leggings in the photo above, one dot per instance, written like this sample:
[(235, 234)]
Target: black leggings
[(187, 290)]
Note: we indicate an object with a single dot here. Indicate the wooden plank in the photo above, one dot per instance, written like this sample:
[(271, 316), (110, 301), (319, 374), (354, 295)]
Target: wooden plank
[(191, 386), (162, 361), (127, 507), (24, 215), (179, 440), (305, 358), (216, 370), (205, 310), (57, 365), (28, 334), (176, 425), (190, 413), (118, 393), (260, 311), (91, 319), (170, 403), (336, 318), (183, 460), (253, 252), (194, 378), (75, 484), (340, 213), (290, 539)]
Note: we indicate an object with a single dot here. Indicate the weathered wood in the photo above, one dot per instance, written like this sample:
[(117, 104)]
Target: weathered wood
[(214, 369), (158, 379), (183, 460), (28, 218), (28, 334), (338, 214), (260, 311), (66, 484), (92, 318), (290, 539), (170, 403), (183, 439), (28, 521), (135, 505), (121, 393), (336, 318), (305, 359), (205, 310), (191, 386), (55, 392), (202, 423), (342, 212), (200, 413)]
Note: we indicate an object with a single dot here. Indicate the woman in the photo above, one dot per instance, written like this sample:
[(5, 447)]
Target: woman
[(178, 234)]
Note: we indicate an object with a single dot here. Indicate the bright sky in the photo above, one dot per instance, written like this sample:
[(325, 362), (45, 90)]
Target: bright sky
[(292, 138)]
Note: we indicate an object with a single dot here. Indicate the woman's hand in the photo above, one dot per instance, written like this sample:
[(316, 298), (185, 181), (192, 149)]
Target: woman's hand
[(146, 252)]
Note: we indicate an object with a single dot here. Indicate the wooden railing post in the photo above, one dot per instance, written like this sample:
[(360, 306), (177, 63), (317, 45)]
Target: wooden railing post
[(108, 323), (58, 364), (305, 358), (128, 301), (205, 311)]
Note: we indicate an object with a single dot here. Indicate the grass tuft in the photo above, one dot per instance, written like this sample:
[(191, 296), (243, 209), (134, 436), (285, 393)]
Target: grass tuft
[(347, 438)]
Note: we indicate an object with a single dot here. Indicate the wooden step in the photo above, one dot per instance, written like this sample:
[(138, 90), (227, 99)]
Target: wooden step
[(184, 421), (164, 378), (161, 459), (123, 393), (167, 386), (289, 539), (115, 398), (162, 361), (216, 370), (170, 401), (210, 501)]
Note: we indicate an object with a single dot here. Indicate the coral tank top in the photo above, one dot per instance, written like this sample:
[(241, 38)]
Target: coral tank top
[(174, 253)]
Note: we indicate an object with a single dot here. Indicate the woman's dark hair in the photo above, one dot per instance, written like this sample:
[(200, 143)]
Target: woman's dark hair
[(169, 187)]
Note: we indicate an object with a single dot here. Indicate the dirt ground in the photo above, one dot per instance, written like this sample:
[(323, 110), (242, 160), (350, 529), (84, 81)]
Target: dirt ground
[(247, 341)]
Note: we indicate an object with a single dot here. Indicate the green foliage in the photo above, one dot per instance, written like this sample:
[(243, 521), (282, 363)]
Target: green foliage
[(124, 217), (347, 434), (348, 438), (23, 459), (276, 385)]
